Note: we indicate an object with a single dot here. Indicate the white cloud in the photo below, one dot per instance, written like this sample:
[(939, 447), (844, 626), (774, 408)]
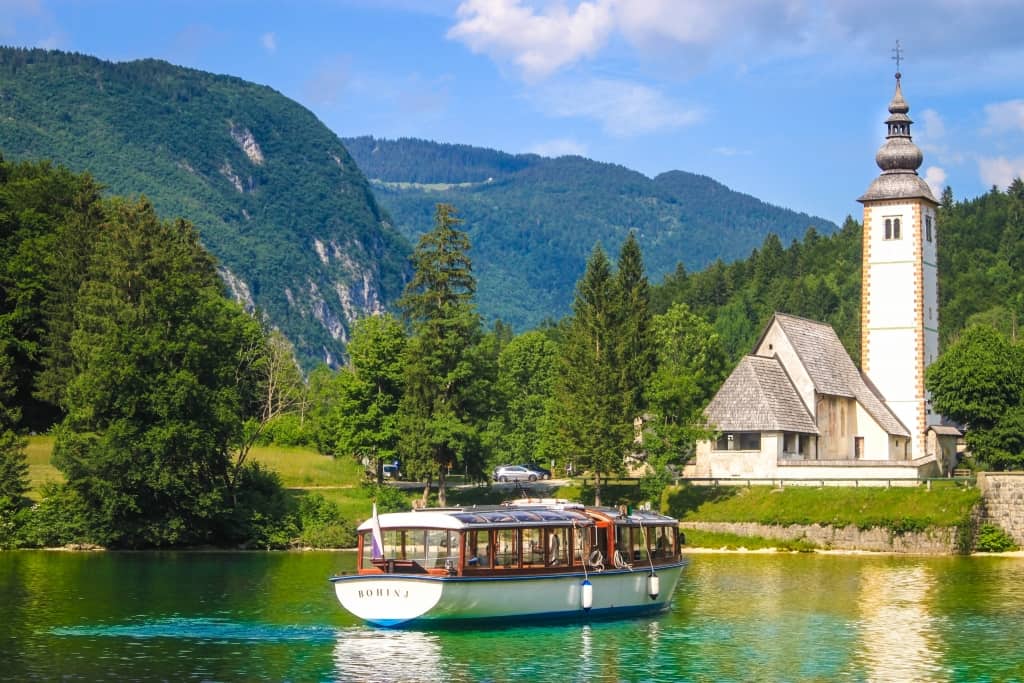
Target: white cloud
[(1005, 116), (559, 148), (623, 108), (539, 43), (1000, 171), (932, 125), (269, 42), (936, 179)]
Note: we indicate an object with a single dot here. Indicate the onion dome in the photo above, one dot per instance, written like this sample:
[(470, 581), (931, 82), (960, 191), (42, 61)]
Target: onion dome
[(898, 158)]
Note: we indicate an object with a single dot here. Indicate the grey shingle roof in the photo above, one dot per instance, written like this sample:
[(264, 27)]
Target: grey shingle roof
[(759, 396), (832, 370)]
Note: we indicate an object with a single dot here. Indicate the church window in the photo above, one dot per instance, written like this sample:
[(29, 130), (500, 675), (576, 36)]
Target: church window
[(896, 228), (928, 228), (892, 229), (739, 441), (858, 447)]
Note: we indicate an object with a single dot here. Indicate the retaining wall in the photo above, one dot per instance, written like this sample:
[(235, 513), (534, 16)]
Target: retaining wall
[(1003, 496), (936, 541)]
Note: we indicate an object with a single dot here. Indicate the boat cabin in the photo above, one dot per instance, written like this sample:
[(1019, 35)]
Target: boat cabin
[(518, 538)]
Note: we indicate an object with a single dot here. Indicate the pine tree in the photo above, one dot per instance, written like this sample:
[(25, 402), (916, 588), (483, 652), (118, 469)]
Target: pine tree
[(440, 429), (635, 352), (589, 382)]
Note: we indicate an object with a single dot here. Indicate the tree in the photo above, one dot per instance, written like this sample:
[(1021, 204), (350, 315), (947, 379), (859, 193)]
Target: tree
[(590, 403), (48, 222), (439, 425), (632, 322), (691, 365), (979, 382), (366, 394), (526, 381), (13, 465), (164, 379)]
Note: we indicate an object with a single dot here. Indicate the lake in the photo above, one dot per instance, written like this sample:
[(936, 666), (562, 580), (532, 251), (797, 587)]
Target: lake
[(735, 617)]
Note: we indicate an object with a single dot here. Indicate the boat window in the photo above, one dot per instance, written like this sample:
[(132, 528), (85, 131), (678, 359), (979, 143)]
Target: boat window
[(581, 545), (558, 547), (533, 546), (441, 547), (641, 537), (478, 549), (429, 548), (506, 543), (394, 546), (664, 542)]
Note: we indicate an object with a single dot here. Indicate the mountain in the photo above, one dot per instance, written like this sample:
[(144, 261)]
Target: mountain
[(273, 192), (534, 220)]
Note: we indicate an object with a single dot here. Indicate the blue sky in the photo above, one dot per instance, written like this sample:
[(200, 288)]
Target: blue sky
[(782, 99)]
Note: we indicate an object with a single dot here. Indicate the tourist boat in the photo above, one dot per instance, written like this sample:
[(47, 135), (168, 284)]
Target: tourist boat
[(523, 560)]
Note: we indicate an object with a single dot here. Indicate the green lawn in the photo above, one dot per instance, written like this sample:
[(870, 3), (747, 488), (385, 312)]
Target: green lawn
[(40, 471), (898, 508)]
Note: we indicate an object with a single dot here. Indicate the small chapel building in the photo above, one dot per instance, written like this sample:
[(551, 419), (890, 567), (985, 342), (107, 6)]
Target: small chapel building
[(799, 408)]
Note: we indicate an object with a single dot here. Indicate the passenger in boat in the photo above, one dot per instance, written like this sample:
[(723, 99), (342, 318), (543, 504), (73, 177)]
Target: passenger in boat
[(553, 550)]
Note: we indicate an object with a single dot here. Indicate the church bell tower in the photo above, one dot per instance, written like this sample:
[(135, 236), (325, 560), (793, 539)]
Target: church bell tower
[(899, 289)]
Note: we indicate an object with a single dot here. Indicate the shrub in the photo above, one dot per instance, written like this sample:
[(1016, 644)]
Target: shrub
[(288, 430), (992, 539), (388, 498), (262, 516), (322, 525), (60, 518)]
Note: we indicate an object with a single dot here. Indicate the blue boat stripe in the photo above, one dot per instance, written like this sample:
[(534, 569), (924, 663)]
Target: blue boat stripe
[(520, 577)]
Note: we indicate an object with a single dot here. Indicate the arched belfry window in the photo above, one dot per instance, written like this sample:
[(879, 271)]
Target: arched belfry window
[(892, 229)]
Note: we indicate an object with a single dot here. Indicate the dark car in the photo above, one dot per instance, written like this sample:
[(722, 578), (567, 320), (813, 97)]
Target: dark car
[(542, 473)]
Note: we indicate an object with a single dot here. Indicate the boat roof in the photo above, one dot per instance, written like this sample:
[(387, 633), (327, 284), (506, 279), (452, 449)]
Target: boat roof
[(515, 514)]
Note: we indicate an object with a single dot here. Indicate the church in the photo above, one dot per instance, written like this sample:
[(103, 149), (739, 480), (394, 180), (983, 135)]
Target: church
[(799, 408)]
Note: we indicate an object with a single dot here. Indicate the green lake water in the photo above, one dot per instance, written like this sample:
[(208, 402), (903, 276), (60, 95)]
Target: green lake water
[(735, 617)]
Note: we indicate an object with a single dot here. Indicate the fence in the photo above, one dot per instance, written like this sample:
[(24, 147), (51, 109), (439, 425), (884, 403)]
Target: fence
[(822, 482)]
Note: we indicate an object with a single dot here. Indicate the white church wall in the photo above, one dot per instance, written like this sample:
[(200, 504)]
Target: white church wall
[(760, 464), (876, 440)]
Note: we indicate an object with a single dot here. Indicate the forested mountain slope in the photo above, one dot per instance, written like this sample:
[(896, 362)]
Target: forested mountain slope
[(981, 277), (533, 220), (273, 192)]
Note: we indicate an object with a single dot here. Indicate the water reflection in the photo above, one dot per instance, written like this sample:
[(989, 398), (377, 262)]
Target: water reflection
[(363, 654), (898, 639)]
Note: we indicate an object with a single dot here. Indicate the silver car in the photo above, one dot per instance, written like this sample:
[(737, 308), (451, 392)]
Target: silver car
[(515, 473)]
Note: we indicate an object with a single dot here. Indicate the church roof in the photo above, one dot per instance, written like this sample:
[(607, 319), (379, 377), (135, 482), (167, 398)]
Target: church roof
[(759, 396), (898, 158), (832, 370)]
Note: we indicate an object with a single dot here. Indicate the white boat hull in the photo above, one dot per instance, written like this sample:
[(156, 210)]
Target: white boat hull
[(408, 599)]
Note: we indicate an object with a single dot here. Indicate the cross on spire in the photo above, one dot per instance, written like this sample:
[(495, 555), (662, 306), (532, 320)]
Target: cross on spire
[(897, 54)]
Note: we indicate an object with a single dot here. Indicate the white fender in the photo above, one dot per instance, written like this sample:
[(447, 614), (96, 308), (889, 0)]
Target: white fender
[(587, 595), (653, 585)]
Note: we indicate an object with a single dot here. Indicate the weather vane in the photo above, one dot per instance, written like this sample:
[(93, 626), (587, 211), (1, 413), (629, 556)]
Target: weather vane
[(897, 54)]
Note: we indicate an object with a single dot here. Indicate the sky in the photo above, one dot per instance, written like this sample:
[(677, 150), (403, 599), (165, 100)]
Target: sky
[(781, 99)]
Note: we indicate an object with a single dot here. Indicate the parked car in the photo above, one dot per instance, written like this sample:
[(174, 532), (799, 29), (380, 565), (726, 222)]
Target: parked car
[(391, 472), (515, 473), (542, 473)]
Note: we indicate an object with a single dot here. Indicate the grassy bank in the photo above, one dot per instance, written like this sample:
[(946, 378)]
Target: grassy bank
[(900, 509)]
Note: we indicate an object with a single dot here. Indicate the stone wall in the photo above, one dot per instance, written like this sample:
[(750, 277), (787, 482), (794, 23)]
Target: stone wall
[(937, 541), (1003, 496)]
